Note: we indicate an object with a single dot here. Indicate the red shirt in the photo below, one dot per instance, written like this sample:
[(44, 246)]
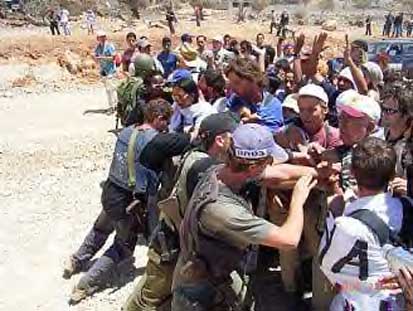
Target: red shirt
[(328, 137)]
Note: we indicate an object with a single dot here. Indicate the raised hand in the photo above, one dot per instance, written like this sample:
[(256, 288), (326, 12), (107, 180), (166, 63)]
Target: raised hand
[(299, 43)]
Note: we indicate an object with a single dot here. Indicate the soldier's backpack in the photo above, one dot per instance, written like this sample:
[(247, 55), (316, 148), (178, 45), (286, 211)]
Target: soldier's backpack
[(129, 110)]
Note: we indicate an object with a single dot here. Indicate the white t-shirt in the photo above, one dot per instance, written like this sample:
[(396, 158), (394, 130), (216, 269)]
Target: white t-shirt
[(64, 16), (224, 56), (90, 18), (358, 273), (191, 116)]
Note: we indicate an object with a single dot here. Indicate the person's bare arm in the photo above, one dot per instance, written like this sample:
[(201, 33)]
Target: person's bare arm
[(356, 72), (261, 57), (288, 235), (283, 175), (298, 72)]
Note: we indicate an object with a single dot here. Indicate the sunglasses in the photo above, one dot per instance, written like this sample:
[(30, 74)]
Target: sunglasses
[(389, 110)]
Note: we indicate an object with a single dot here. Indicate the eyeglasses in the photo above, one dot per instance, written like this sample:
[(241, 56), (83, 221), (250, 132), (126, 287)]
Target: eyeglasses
[(389, 110)]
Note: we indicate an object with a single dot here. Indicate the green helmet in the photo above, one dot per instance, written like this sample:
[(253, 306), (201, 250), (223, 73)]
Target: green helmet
[(144, 65)]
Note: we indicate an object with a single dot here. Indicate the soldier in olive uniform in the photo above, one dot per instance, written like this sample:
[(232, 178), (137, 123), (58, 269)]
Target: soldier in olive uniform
[(219, 224), (133, 181), (153, 292)]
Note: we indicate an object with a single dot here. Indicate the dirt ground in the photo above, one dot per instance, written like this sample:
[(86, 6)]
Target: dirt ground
[(53, 157)]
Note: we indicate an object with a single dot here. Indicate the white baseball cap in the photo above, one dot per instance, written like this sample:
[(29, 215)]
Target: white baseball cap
[(346, 74), (220, 39), (291, 102), (358, 106), (314, 91)]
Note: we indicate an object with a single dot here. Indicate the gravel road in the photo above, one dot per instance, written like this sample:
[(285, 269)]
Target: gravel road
[(52, 160)]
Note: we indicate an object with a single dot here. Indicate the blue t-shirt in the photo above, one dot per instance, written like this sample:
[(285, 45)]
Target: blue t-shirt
[(269, 110), (107, 66), (168, 61)]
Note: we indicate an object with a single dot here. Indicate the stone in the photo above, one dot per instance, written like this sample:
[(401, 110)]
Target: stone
[(329, 25)]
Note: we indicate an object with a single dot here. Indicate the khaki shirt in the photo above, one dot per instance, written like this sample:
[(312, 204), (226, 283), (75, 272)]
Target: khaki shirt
[(229, 219)]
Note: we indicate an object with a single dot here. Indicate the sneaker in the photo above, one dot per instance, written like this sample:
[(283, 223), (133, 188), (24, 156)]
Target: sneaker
[(71, 267)]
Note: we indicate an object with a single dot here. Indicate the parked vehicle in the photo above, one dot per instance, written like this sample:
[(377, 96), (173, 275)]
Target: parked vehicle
[(400, 51)]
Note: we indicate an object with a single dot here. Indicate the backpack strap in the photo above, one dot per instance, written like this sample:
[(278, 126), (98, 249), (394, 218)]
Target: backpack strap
[(131, 157), (374, 222), (406, 232), (138, 83)]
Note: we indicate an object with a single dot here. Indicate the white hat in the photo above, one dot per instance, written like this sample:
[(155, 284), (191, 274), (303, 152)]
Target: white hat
[(346, 73), (100, 33), (314, 91), (143, 43), (220, 39), (291, 102), (376, 74), (358, 106)]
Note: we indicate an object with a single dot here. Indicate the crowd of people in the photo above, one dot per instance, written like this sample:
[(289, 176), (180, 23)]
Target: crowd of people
[(397, 25), (278, 147), (59, 19)]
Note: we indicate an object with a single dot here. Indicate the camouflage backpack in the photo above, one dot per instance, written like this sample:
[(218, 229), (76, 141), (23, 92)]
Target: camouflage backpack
[(129, 92)]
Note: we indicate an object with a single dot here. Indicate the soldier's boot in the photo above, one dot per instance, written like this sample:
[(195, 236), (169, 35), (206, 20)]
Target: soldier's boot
[(78, 294), (92, 243), (93, 280), (71, 267)]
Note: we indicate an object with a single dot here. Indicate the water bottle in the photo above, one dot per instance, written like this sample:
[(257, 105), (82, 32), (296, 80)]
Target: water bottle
[(398, 257)]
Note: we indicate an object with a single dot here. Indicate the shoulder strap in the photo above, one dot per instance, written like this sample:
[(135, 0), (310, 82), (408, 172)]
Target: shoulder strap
[(406, 232), (374, 222), (131, 157), (137, 83), (182, 163)]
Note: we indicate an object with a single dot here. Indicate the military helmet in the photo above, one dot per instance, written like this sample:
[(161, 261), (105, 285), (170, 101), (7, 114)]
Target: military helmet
[(144, 65)]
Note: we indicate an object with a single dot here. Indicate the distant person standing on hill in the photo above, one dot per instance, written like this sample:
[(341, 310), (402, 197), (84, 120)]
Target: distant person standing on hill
[(171, 19), (64, 22), (368, 25), (273, 20), (398, 26), (389, 19), (53, 18), (105, 54), (409, 27), (197, 10), (284, 21), (90, 19)]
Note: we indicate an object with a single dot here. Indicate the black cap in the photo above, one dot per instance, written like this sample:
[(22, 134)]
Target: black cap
[(186, 37), (218, 123), (188, 85), (361, 44)]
